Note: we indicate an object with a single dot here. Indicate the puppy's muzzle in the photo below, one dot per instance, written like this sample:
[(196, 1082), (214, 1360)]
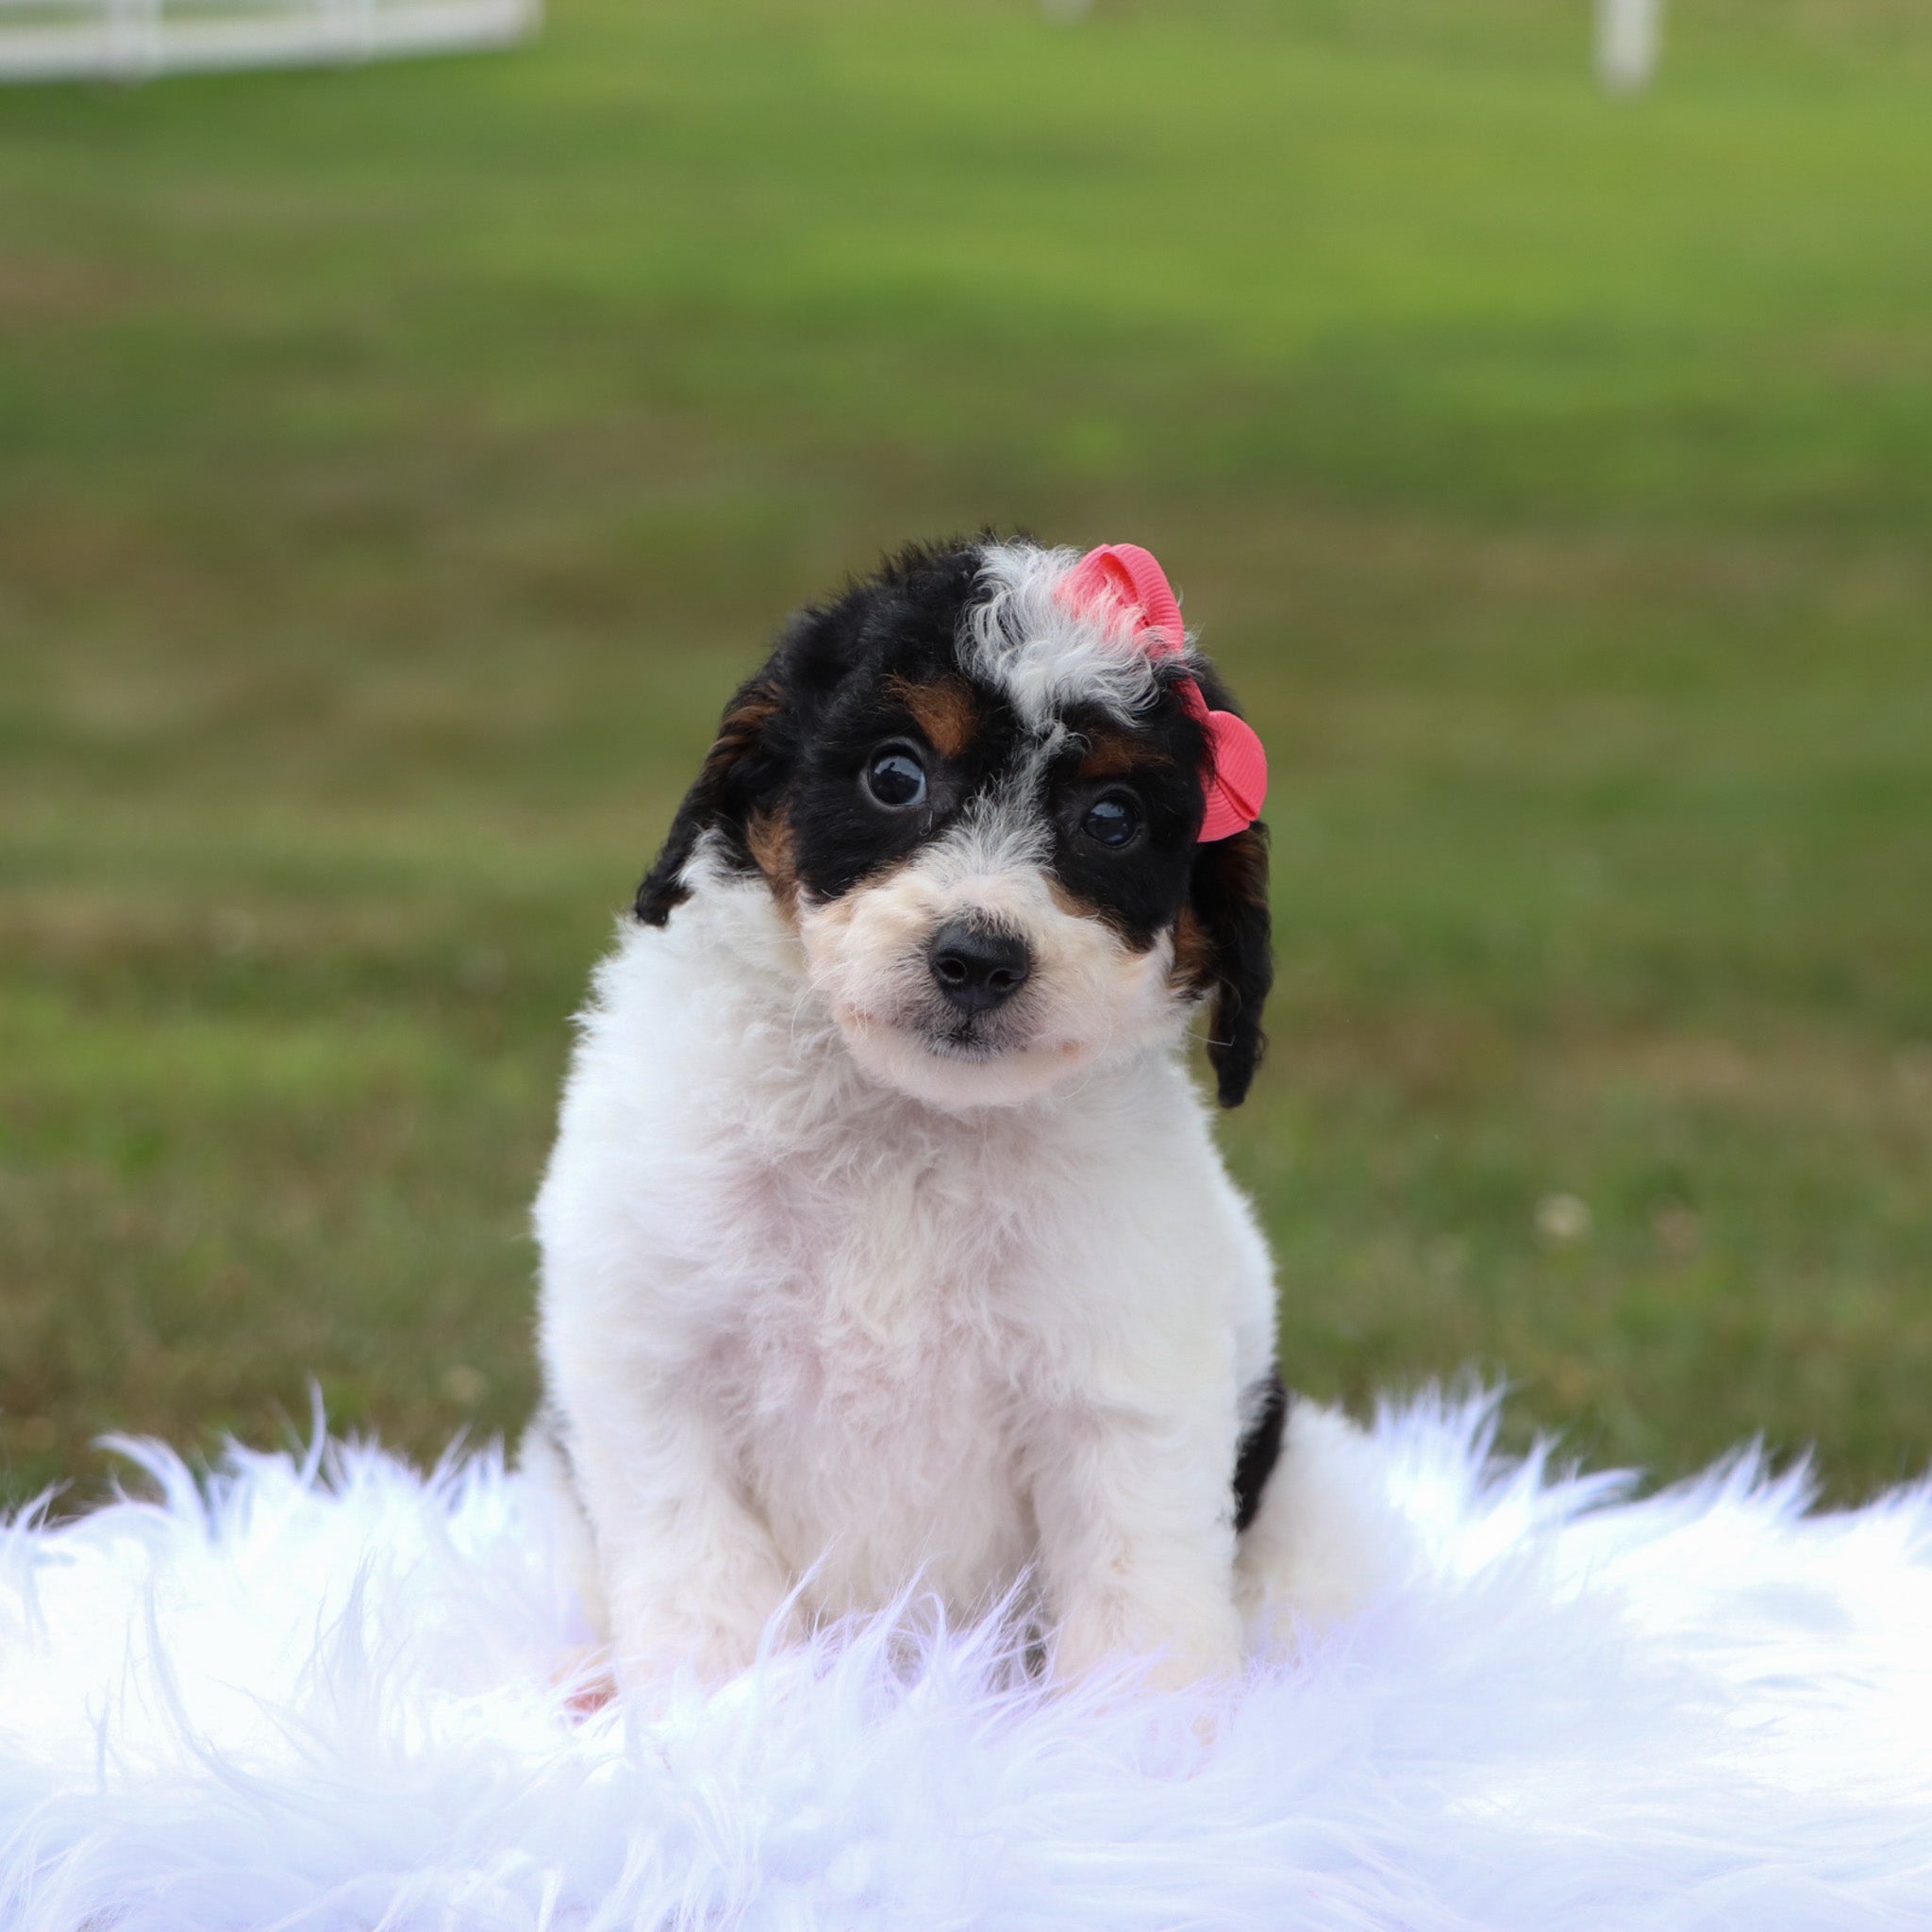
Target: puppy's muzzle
[(977, 967)]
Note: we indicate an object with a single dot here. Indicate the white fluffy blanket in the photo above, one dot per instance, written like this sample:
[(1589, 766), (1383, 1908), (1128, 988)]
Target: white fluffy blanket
[(318, 1694)]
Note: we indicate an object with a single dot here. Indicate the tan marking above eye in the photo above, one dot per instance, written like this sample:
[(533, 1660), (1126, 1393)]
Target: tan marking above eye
[(1116, 754), (944, 710)]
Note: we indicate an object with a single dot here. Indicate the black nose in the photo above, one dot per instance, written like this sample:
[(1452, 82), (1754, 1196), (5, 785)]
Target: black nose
[(979, 967)]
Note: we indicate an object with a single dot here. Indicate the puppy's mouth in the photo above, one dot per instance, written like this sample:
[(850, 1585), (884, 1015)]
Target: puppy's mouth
[(972, 1040), (952, 1060), (965, 1040)]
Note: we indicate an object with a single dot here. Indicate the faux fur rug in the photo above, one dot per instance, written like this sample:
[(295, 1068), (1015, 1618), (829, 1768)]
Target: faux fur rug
[(319, 1694)]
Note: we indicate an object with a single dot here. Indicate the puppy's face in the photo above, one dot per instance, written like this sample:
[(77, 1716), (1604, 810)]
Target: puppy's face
[(980, 808), (989, 903)]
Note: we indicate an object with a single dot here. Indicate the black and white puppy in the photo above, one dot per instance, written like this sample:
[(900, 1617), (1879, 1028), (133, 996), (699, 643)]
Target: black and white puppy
[(884, 1241)]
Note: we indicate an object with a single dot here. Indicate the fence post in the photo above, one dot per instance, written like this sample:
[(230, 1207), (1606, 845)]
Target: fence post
[(1627, 33), (132, 38)]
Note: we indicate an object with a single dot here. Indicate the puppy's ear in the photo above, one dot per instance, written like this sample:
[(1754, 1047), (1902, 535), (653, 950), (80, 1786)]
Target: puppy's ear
[(1229, 898), (741, 767)]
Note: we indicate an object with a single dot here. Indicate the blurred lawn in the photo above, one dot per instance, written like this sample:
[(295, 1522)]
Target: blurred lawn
[(398, 467)]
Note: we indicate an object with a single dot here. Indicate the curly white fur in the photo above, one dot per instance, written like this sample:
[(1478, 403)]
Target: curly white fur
[(1042, 652), (810, 1334)]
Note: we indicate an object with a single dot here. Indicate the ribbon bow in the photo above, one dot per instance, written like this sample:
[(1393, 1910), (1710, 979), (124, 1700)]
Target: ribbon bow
[(1235, 785)]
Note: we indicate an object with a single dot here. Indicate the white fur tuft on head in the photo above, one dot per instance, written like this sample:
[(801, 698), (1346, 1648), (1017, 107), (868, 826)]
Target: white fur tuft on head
[(1027, 640)]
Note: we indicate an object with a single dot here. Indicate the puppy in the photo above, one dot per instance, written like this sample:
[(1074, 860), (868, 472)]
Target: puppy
[(885, 1241)]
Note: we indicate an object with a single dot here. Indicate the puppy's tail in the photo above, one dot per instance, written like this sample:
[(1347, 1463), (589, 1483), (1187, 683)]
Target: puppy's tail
[(1327, 1538)]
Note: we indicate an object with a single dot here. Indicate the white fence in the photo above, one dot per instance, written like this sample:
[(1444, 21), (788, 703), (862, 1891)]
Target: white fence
[(1627, 34), (131, 40)]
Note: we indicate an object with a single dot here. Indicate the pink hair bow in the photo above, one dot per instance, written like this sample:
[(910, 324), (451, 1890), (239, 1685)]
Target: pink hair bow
[(1235, 785)]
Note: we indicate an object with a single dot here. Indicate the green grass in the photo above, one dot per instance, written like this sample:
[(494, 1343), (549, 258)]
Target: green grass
[(397, 467)]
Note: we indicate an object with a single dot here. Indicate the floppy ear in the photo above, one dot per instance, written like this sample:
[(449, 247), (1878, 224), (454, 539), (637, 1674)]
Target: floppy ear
[(1229, 897), (740, 766)]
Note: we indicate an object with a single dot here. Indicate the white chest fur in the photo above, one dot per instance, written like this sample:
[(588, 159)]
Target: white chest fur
[(800, 1328)]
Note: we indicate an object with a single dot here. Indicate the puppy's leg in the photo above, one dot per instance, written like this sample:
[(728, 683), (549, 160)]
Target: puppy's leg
[(545, 1465), (564, 1530), (690, 1575), (1137, 1546)]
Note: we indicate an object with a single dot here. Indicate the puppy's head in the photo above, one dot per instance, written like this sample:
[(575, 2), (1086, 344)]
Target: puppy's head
[(975, 783)]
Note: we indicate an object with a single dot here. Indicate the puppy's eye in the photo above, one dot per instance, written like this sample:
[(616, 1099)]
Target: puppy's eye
[(896, 778), (1112, 819)]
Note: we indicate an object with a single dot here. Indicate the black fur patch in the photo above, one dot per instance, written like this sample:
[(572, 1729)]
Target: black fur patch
[(1138, 891), (1261, 1450), (1229, 897)]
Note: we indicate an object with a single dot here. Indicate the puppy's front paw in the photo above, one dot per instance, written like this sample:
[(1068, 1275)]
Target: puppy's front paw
[(711, 1647), (1183, 1653), (584, 1674), (1193, 1670)]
